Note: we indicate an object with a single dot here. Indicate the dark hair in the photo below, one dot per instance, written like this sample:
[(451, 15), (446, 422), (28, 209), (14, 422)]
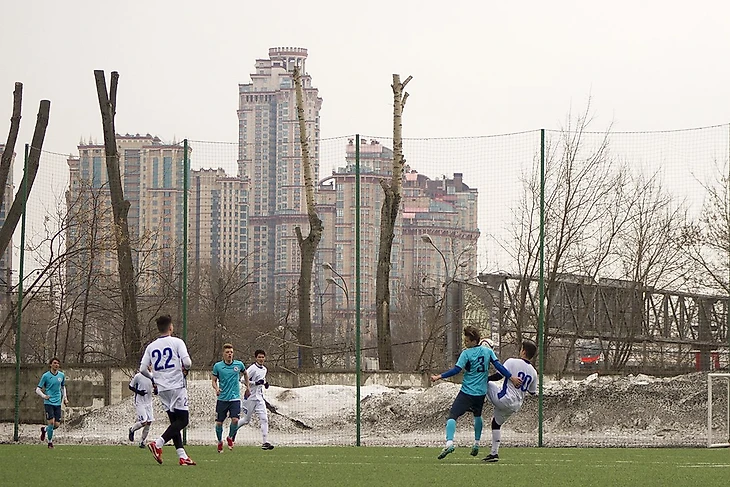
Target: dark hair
[(54, 359), (530, 349), (163, 323), (227, 346), (472, 333), (259, 352)]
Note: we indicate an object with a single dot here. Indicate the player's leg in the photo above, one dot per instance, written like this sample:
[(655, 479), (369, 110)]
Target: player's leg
[(221, 408), (499, 418), (477, 407), (148, 419), (234, 411), (459, 407), (181, 420), (263, 416), (140, 421)]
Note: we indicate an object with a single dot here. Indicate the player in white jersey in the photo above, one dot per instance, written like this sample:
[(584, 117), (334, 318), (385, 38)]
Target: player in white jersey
[(168, 356), (506, 398), (255, 402), (143, 390)]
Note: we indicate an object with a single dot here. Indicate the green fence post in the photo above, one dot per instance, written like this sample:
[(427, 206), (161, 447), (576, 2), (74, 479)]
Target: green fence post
[(16, 426), (541, 286), (358, 358)]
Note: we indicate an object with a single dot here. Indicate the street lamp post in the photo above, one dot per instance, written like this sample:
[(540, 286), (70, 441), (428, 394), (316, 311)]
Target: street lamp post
[(451, 339), (344, 289)]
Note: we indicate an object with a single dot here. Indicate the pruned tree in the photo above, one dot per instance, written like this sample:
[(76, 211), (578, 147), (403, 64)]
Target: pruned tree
[(120, 209), (308, 245), (388, 217), (7, 155), (13, 215)]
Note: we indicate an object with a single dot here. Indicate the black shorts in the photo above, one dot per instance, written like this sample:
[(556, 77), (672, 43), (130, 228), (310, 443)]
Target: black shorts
[(227, 408), (464, 403), (52, 412)]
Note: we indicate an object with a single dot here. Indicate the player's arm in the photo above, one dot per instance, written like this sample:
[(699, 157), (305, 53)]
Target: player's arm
[(65, 395), (516, 381), (182, 352), (133, 386), (40, 392), (460, 365), (214, 381), (144, 365), (445, 375), (247, 383)]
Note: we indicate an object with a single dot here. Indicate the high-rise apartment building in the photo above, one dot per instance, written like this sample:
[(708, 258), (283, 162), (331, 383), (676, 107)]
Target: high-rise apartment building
[(218, 213), (270, 157), (435, 235), (152, 181)]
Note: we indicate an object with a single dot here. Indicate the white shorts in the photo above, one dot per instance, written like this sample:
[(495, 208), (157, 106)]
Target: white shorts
[(174, 399), (251, 405), (503, 407), (144, 413)]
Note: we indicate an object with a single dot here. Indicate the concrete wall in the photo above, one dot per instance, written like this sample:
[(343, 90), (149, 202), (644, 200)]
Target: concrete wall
[(94, 386)]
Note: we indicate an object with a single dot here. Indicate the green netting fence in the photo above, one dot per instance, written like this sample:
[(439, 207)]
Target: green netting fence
[(632, 264)]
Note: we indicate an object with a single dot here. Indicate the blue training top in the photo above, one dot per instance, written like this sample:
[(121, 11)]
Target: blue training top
[(228, 375), (53, 385)]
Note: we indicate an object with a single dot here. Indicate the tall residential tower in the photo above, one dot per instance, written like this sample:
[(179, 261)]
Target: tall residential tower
[(269, 156)]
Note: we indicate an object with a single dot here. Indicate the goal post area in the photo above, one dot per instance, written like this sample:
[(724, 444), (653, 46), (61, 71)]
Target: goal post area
[(718, 387)]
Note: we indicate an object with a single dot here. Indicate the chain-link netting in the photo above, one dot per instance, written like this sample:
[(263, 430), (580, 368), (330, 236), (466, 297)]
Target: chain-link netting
[(636, 272)]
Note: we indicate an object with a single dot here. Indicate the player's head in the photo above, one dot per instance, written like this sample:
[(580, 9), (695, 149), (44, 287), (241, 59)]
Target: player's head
[(260, 356), (227, 353), (471, 336), (54, 363), (164, 324), (529, 349)]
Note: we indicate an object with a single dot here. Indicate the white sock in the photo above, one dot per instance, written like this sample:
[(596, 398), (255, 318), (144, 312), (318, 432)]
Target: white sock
[(136, 426), (159, 442), (449, 443), (265, 429), (496, 437), (181, 453), (476, 442), (145, 432)]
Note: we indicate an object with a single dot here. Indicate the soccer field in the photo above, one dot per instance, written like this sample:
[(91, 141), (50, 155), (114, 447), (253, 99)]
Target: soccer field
[(33, 465)]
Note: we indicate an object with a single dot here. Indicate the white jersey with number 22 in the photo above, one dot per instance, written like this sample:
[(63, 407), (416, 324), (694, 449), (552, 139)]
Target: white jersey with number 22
[(166, 355)]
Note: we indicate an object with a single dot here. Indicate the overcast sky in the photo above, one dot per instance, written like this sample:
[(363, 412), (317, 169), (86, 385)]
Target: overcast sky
[(479, 67)]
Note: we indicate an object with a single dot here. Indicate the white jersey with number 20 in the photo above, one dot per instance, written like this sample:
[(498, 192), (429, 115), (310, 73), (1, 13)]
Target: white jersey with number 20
[(523, 369), (166, 355)]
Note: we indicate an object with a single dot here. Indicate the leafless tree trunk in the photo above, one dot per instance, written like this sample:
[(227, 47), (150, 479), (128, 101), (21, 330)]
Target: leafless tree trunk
[(7, 155), (13, 216), (120, 208), (307, 245), (388, 216)]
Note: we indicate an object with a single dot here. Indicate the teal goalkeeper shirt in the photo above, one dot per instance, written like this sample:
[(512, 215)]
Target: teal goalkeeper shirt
[(53, 386), (474, 362), (228, 379)]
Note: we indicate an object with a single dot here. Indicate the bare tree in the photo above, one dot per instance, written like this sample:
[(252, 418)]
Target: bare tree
[(388, 217), (583, 192), (120, 208), (13, 215), (707, 240), (7, 155), (309, 244)]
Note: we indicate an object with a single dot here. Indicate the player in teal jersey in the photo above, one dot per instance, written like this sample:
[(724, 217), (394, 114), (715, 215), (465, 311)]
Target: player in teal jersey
[(226, 375), (52, 388), (474, 361)]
